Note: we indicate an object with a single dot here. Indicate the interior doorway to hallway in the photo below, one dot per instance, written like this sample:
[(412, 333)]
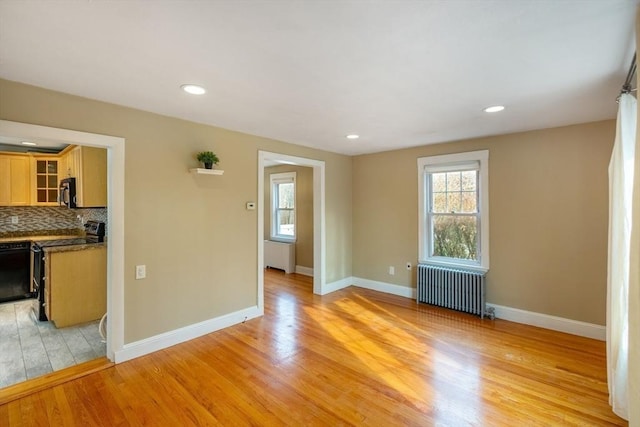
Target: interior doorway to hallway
[(268, 159)]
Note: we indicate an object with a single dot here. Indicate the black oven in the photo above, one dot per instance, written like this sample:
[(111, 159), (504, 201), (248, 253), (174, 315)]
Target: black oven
[(14, 271)]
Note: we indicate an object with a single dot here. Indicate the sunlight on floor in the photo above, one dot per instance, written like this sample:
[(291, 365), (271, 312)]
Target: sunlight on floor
[(447, 370), (373, 356), (284, 341), (424, 387), (370, 318)]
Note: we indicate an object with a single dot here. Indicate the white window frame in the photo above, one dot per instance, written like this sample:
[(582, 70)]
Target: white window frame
[(276, 179), (449, 162)]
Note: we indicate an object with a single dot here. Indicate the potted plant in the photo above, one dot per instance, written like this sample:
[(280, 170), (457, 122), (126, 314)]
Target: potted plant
[(209, 158)]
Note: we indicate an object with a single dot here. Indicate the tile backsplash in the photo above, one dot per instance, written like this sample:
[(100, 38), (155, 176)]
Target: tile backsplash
[(46, 220)]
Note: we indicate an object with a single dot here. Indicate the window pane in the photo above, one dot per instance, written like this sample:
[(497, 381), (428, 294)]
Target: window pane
[(469, 180), (439, 182), (453, 202), (453, 181), (469, 202), (455, 236), (286, 195), (440, 202), (286, 222)]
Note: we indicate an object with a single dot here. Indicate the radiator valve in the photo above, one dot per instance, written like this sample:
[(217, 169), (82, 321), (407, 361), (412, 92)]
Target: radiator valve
[(490, 312)]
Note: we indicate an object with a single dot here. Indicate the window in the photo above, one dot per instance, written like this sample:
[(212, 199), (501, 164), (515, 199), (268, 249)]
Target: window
[(454, 210), (283, 206)]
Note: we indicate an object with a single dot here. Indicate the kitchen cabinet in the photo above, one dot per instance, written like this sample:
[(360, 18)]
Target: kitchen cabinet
[(76, 285), (44, 181), (14, 180), (89, 166)]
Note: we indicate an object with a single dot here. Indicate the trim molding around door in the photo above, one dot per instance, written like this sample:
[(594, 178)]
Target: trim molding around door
[(266, 158), (115, 218)]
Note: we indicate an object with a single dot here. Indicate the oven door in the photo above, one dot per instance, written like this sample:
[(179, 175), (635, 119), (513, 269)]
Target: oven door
[(14, 271)]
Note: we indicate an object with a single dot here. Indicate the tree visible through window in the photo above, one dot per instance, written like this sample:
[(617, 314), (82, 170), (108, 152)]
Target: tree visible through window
[(454, 214), (283, 202)]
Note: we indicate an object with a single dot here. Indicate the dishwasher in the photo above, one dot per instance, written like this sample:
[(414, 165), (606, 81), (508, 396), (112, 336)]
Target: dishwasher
[(15, 271)]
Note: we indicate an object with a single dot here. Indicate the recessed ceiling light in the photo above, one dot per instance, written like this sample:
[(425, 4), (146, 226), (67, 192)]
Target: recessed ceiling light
[(494, 109), (28, 143), (193, 89), (353, 136)]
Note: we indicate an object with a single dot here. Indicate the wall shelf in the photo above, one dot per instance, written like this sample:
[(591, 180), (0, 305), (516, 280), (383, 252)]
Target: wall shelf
[(206, 171)]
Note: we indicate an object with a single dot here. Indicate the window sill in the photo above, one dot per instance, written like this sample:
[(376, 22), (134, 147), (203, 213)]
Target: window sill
[(456, 265), (282, 239)]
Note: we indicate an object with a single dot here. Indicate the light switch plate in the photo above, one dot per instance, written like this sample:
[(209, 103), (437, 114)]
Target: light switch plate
[(141, 272), (14, 219), (251, 206)]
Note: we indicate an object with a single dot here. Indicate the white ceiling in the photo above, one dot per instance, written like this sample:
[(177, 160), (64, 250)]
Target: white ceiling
[(399, 73)]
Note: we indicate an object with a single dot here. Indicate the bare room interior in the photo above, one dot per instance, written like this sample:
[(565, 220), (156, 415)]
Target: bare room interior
[(319, 213)]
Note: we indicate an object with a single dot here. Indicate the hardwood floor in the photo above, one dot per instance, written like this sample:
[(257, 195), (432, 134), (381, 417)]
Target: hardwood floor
[(353, 357)]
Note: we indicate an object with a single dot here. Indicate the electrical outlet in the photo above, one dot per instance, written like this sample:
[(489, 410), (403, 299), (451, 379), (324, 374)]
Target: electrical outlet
[(14, 219), (141, 272), (408, 266), (392, 270)]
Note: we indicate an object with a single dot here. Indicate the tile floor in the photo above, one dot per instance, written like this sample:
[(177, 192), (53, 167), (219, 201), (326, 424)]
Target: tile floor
[(29, 348)]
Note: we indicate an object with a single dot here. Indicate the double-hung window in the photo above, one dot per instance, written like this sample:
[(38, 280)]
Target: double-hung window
[(454, 210), (283, 206)]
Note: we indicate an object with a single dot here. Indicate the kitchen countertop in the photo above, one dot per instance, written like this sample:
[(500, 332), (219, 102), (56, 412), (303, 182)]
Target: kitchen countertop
[(31, 236), (51, 249), (36, 238)]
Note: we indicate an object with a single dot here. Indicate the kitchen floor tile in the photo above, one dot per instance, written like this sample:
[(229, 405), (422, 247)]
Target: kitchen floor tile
[(29, 348)]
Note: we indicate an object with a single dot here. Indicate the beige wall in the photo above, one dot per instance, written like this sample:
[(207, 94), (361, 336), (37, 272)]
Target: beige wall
[(304, 210), (195, 236), (548, 217)]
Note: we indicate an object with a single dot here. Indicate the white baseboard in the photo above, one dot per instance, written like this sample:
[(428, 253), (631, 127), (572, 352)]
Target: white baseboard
[(306, 271), (389, 288), (561, 324), (337, 285), (177, 336)]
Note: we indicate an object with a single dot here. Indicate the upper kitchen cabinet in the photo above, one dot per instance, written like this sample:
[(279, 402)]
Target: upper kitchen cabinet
[(14, 180), (88, 165), (45, 174)]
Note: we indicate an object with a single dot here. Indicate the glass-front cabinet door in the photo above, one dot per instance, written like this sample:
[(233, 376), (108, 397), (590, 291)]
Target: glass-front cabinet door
[(46, 179)]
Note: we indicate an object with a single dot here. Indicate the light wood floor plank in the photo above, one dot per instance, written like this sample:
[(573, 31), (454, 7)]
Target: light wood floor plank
[(353, 357)]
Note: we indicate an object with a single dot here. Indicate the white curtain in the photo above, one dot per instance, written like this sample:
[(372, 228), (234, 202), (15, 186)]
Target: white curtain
[(621, 170)]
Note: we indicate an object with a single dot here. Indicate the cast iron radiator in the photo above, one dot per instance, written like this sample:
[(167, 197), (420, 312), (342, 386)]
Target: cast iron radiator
[(453, 288)]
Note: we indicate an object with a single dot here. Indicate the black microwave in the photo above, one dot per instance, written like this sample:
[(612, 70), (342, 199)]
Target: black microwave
[(67, 196)]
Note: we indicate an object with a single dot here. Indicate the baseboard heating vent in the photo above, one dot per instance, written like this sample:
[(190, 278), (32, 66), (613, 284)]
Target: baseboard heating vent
[(453, 288), (280, 255)]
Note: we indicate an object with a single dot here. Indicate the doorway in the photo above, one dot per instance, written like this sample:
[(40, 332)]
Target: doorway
[(115, 216), (266, 159)]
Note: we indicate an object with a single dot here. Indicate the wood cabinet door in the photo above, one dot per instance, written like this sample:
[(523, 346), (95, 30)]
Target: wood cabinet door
[(45, 181), (92, 188), (77, 286), (14, 180)]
